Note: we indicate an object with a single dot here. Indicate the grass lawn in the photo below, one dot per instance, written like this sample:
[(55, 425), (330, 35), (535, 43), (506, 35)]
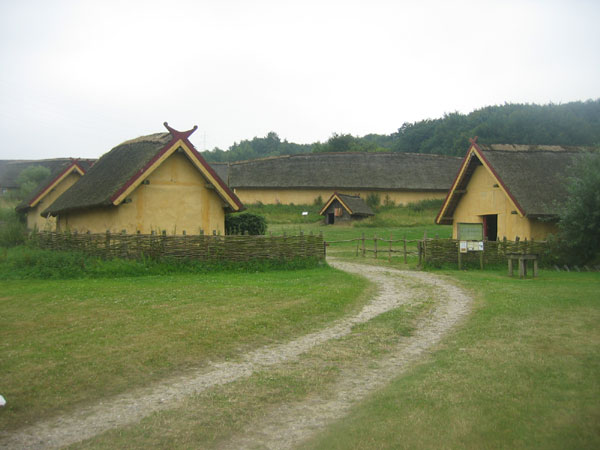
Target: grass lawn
[(398, 222), (65, 343), (523, 372)]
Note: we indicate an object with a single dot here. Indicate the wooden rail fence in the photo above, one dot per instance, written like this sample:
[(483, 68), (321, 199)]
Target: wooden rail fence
[(436, 251), (200, 247), (404, 247)]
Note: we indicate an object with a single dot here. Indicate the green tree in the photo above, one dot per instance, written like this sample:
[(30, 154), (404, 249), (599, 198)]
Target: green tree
[(30, 178), (579, 222)]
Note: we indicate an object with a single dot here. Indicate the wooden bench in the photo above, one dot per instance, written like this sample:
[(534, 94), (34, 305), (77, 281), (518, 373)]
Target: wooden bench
[(522, 258)]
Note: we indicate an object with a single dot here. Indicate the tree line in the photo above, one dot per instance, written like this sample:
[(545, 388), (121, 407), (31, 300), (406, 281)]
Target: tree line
[(570, 124)]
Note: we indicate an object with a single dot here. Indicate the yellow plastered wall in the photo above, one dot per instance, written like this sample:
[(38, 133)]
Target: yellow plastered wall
[(308, 196), (34, 218), (482, 198), (175, 200)]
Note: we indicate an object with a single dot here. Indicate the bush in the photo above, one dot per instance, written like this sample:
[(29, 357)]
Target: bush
[(425, 204), (373, 200), (579, 222), (12, 229), (245, 223)]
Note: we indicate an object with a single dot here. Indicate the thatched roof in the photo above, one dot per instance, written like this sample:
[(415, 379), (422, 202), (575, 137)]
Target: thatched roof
[(355, 205), (125, 164), (55, 176), (222, 170), (11, 168), (375, 171), (534, 177)]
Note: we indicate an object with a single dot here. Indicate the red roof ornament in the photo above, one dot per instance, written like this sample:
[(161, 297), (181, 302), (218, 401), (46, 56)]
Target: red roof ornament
[(180, 134), (472, 141)]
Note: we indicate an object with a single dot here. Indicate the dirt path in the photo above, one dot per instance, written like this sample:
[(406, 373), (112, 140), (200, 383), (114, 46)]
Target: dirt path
[(291, 423), (288, 425)]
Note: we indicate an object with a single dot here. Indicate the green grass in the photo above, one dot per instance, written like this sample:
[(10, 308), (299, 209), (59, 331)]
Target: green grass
[(523, 372), (420, 214), (286, 214), (66, 343)]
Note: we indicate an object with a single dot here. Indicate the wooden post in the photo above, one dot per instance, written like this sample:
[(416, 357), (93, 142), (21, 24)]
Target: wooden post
[(522, 272), (390, 257), (363, 245), (357, 245), (375, 245), (459, 258), (404, 249), (420, 251), (535, 267), (481, 260), (510, 267)]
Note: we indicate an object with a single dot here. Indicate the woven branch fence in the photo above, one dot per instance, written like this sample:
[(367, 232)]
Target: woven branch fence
[(443, 251), (199, 247)]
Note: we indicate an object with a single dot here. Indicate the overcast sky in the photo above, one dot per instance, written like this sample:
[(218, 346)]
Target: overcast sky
[(79, 77)]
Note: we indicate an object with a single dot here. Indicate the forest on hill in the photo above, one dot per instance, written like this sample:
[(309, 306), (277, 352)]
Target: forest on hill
[(571, 124)]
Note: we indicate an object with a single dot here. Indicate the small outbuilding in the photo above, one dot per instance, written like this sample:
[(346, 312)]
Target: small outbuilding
[(512, 191), (344, 208), (152, 184), (43, 196)]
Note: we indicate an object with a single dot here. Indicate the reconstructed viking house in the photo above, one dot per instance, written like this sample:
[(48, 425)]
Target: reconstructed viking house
[(44, 195), (302, 179), (513, 191), (343, 208), (156, 183)]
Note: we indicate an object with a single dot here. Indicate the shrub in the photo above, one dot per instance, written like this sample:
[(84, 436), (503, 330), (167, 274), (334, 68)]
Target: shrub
[(579, 222), (245, 223), (373, 200), (12, 228)]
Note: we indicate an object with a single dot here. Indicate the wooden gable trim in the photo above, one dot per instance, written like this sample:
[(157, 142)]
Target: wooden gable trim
[(331, 199), (475, 151), (73, 167), (457, 180), (503, 186), (180, 140)]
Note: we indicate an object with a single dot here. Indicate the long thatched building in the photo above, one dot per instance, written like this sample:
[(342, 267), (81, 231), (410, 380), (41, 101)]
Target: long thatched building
[(511, 191), (155, 183), (302, 179)]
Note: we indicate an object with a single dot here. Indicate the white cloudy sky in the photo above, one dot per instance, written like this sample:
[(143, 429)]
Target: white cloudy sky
[(79, 77)]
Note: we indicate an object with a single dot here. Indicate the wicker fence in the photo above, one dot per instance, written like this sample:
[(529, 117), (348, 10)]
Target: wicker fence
[(443, 251), (200, 247)]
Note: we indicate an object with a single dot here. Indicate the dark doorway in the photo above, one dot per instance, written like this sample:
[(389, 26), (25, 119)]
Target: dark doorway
[(330, 218), (490, 227)]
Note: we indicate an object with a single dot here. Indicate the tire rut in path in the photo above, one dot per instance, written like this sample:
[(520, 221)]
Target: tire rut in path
[(133, 406)]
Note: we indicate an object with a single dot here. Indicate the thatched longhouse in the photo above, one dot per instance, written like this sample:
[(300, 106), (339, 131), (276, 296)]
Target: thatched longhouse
[(156, 183), (48, 190), (513, 191), (302, 179)]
